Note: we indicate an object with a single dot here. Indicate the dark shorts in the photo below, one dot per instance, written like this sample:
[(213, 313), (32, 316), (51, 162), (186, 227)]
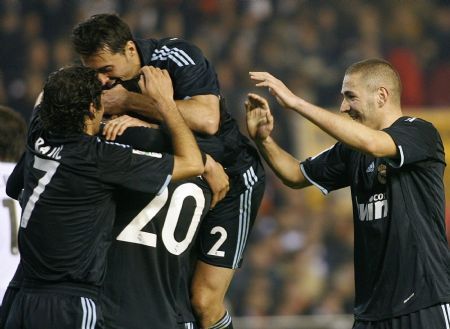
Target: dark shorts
[(225, 230), (47, 308), (434, 317), (6, 304)]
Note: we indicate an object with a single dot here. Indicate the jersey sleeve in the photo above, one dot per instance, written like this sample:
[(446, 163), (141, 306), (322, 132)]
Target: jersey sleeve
[(328, 170), (191, 72), (121, 165), (416, 140), (15, 181), (146, 139)]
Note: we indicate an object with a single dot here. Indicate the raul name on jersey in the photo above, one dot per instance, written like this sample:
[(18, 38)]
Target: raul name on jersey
[(371, 195), (47, 150)]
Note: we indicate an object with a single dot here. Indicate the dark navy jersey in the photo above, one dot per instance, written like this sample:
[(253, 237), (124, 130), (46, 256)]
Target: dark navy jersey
[(151, 257), (68, 205), (149, 262), (402, 260), (193, 75)]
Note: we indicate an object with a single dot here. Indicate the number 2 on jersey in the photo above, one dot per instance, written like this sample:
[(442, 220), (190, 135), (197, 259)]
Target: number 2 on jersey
[(133, 232)]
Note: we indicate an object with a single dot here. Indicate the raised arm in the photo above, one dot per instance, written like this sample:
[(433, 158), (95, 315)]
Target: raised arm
[(201, 112), (260, 125), (157, 86), (354, 134)]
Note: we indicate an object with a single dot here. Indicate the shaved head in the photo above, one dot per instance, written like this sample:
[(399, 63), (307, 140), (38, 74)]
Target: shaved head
[(378, 73)]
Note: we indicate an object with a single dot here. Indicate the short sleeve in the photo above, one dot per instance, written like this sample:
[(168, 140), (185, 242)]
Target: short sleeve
[(416, 140), (328, 170), (192, 74), (148, 172)]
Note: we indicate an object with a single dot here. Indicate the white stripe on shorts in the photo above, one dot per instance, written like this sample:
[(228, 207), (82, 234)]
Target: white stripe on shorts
[(245, 210), (89, 313), (446, 311)]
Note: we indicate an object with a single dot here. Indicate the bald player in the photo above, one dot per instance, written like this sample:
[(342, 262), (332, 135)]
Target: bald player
[(394, 165)]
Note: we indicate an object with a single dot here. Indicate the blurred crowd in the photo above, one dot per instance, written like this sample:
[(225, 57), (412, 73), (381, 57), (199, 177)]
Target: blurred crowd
[(300, 259)]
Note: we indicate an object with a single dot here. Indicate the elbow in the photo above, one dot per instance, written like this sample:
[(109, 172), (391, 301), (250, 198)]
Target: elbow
[(210, 127), (292, 184), (197, 167), (187, 167)]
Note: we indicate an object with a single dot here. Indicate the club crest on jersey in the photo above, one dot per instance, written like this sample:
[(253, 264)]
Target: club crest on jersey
[(376, 208), (381, 176), (151, 154)]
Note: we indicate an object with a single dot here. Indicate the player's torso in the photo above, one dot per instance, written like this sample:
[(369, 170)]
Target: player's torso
[(192, 75), (151, 255), (67, 212), (392, 262)]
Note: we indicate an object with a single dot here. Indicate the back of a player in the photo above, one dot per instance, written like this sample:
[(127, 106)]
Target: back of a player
[(149, 262)]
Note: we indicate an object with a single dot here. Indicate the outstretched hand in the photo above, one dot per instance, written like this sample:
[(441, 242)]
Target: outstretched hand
[(277, 88), (259, 118)]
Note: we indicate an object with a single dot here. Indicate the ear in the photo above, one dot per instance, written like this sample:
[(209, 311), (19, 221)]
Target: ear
[(382, 96), (130, 48), (92, 111)]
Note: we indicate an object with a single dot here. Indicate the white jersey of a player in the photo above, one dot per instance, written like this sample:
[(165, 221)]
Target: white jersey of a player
[(9, 226)]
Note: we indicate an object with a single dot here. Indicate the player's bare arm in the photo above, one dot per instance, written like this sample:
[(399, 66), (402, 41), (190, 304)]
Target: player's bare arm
[(200, 112), (214, 173), (260, 125), (352, 133), (217, 180), (157, 85)]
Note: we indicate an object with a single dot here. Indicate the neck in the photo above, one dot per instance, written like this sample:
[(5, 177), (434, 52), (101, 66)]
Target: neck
[(89, 128), (392, 115)]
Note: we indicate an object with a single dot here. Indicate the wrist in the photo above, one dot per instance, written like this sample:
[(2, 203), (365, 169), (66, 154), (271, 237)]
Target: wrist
[(264, 141)]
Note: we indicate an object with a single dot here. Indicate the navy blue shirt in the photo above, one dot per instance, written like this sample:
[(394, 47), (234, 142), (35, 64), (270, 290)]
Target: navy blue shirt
[(402, 260), (193, 75)]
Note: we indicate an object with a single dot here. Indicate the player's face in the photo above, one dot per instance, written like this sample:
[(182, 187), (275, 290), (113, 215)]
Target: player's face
[(110, 67), (358, 102)]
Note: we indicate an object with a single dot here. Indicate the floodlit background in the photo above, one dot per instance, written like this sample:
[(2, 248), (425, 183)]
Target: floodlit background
[(300, 258)]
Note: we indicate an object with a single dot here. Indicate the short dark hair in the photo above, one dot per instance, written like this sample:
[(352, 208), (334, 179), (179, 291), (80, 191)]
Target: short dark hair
[(101, 32), (13, 131), (377, 71), (66, 100)]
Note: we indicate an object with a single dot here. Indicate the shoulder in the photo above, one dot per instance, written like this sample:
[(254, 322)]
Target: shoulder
[(414, 127), (179, 51), (409, 121)]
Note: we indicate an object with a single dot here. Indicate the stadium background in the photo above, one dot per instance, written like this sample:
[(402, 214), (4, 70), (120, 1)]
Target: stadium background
[(298, 268)]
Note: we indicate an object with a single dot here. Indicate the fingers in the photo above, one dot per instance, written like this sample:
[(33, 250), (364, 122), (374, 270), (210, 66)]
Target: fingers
[(116, 127), (220, 194), (261, 76), (257, 101)]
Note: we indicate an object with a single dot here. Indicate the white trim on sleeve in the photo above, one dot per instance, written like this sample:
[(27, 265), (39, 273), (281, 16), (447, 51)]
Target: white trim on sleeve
[(321, 188)]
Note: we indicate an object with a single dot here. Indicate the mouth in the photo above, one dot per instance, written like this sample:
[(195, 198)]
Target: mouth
[(354, 115)]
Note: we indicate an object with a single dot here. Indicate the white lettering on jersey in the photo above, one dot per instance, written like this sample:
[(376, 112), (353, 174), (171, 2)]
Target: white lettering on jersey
[(150, 154), (376, 208), (50, 151)]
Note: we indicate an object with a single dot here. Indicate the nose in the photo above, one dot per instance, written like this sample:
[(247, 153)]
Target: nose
[(104, 79), (345, 107)]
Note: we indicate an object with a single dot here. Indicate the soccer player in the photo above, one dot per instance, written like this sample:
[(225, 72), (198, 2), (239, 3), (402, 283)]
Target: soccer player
[(394, 165), (12, 144), (151, 251), (106, 44), (68, 206)]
